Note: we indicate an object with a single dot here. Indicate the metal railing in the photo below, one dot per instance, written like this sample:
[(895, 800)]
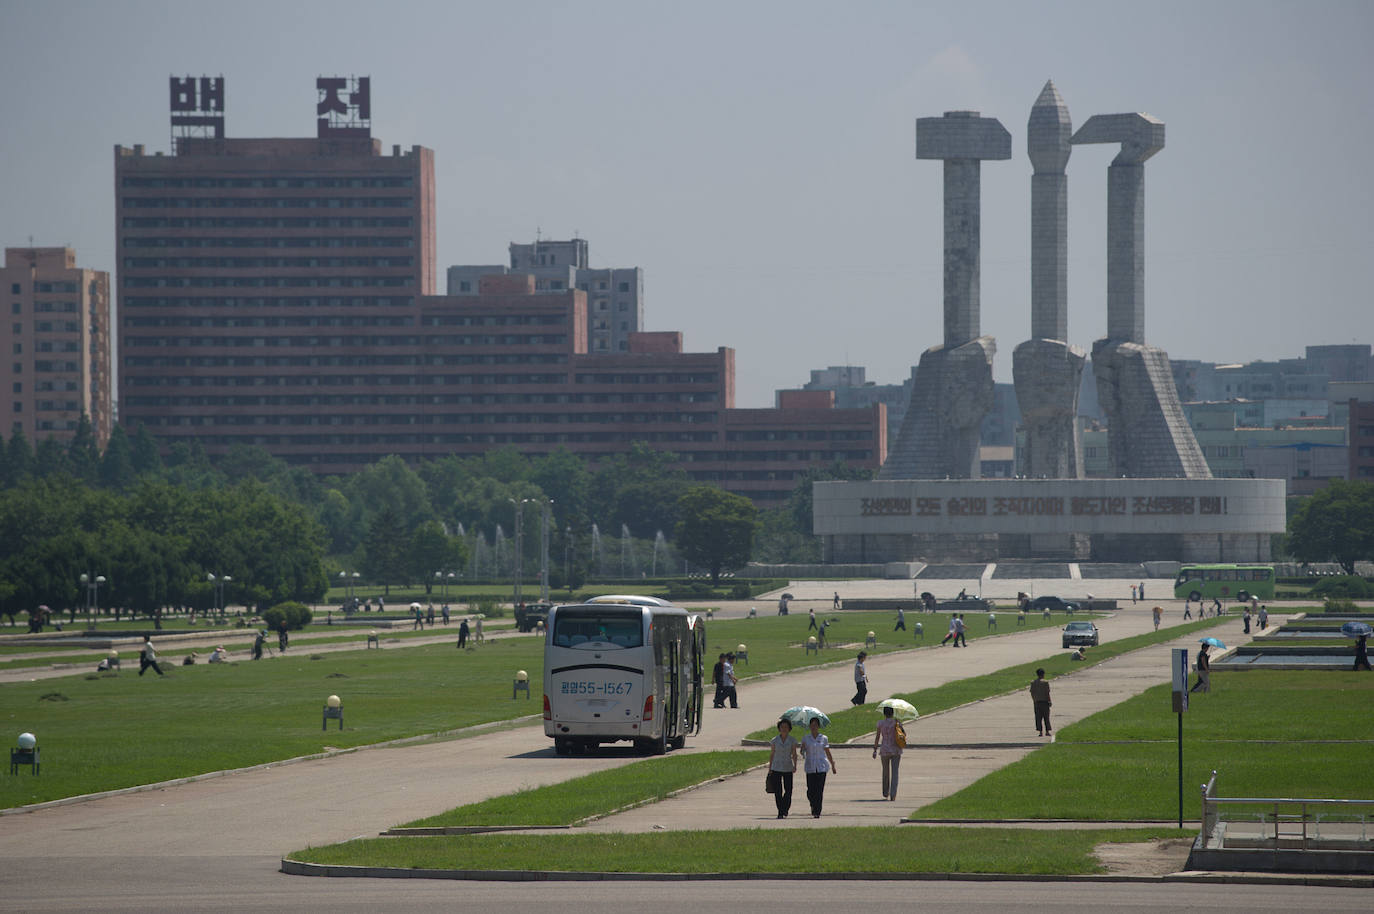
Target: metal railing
[(1292, 812)]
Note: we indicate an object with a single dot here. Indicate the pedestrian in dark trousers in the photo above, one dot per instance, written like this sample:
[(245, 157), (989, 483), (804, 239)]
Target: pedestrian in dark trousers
[(727, 673), (1188, 609), (782, 764), (1264, 617), (952, 633), (835, 604), (282, 638), (860, 680), (1362, 653), (960, 631), (1040, 697), (718, 677), (812, 626), (819, 761), (148, 658), (1216, 606), (258, 641), (1245, 617), (463, 634), (901, 621)]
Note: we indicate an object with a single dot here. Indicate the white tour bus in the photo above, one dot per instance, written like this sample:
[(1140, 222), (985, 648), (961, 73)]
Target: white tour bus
[(622, 668)]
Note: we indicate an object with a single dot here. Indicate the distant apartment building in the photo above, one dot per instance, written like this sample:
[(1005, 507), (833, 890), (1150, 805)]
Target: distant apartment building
[(853, 390), (57, 336), (615, 295), (268, 289), (1358, 397)]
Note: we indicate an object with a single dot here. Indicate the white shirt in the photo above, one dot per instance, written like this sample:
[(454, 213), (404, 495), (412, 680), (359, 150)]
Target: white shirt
[(148, 651), (814, 748), (860, 674), (727, 671)]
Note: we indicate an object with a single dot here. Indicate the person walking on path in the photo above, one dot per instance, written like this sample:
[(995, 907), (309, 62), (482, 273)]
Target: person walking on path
[(816, 748), (148, 658), (1188, 609), (727, 672), (953, 631), (1216, 606), (1140, 589), (782, 765), (1204, 670), (901, 621), (1264, 617), (463, 633), (282, 637), (1132, 593), (812, 626), (1361, 653), (258, 641), (960, 631), (1040, 697), (835, 604), (445, 613), (477, 635), (1245, 617), (887, 750), (860, 680), (1158, 614), (718, 677)]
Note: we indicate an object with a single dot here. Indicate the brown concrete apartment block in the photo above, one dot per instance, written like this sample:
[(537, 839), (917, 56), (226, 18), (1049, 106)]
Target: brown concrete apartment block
[(57, 335)]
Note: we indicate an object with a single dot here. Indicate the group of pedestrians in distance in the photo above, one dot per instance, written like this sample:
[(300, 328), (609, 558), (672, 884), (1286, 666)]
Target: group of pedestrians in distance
[(818, 761), (723, 675)]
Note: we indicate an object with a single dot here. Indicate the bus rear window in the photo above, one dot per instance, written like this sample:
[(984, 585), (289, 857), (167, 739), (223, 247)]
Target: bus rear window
[(599, 626)]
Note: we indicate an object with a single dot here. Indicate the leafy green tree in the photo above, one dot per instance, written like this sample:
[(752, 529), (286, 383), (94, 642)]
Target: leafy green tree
[(433, 550), (640, 489), (384, 549), (717, 528), (83, 454), (799, 502), (390, 484), (50, 459), (18, 459), (779, 541), (117, 463), (146, 458), (564, 477), (1335, 524)]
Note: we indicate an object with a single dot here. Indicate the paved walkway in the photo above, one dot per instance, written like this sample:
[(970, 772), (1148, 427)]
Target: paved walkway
[(946, 752)]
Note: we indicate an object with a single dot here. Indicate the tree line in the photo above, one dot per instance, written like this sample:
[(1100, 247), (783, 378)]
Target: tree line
[(156, 526)]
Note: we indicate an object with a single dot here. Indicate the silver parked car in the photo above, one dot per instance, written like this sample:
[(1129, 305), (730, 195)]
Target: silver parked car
[(1080, 633)]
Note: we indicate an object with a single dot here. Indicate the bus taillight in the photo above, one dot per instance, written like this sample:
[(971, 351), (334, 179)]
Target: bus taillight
[(648, 708), (548, 712)]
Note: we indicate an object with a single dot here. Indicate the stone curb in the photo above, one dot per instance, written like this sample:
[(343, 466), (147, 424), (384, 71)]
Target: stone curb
[(175, 782), (298, 868)]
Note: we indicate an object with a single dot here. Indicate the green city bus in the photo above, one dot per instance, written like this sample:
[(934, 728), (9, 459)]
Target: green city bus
[(1236, 582)]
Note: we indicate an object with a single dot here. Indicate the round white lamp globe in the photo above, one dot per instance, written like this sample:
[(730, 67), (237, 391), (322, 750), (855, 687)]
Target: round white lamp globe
[(27, 741), (333, 701)]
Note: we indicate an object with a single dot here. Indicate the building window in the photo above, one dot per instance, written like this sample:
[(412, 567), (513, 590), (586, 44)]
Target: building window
[(18, 348), (19, 387), (14, 288), (18, 407), (464, 286), (16, 308), (624, 287)]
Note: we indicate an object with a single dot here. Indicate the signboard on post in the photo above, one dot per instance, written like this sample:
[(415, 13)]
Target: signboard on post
[(1180, 691)]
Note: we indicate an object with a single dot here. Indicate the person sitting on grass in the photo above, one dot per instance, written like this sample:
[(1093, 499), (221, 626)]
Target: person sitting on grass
[(189, 659), (219, 655), (1079, 654)]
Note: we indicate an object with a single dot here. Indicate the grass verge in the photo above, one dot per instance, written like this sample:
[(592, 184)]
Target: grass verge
[(599, 793), (853, 722), (1266, 733), (911, 849)]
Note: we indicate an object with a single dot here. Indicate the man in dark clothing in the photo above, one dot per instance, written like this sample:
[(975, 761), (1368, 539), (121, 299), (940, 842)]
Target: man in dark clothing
[(1204, 670), (282, 638), (1362, 653), (258, 642), (1040, 697), (462, 634), (901, 620)]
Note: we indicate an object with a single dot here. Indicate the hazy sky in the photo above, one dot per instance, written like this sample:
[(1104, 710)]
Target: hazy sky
[(757, 159)]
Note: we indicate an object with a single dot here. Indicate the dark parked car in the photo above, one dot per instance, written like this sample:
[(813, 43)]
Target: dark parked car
[(1080, 633), (1054, 605), (530, 615)]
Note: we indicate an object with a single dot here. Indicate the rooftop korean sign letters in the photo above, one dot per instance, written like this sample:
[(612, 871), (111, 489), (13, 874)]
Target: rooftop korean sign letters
[(344, 107), (197, 105)]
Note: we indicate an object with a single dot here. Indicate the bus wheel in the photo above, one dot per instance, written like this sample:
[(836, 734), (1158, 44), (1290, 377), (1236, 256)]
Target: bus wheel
[(678, 742), (1195, 597), (1243, 596), (562, 746)]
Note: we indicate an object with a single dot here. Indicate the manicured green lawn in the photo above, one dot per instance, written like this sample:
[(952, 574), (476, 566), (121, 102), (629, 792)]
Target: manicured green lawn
[(910, 849), (102, 732), (599, 793), (1267, 733), (852, 722)]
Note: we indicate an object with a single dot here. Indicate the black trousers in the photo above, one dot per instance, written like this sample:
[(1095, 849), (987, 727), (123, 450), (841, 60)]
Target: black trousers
[(144, 663), (815, 790), (860, 693), (784, 795), (1042, 717)]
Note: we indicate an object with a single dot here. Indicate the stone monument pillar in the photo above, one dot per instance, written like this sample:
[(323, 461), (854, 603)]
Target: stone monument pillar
[(1046, 369), (952, 388), (1148, 435)]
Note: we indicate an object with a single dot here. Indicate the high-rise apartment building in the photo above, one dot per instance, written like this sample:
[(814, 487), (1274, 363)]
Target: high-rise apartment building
[(615, 295), (258, 275), (57, 337)]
